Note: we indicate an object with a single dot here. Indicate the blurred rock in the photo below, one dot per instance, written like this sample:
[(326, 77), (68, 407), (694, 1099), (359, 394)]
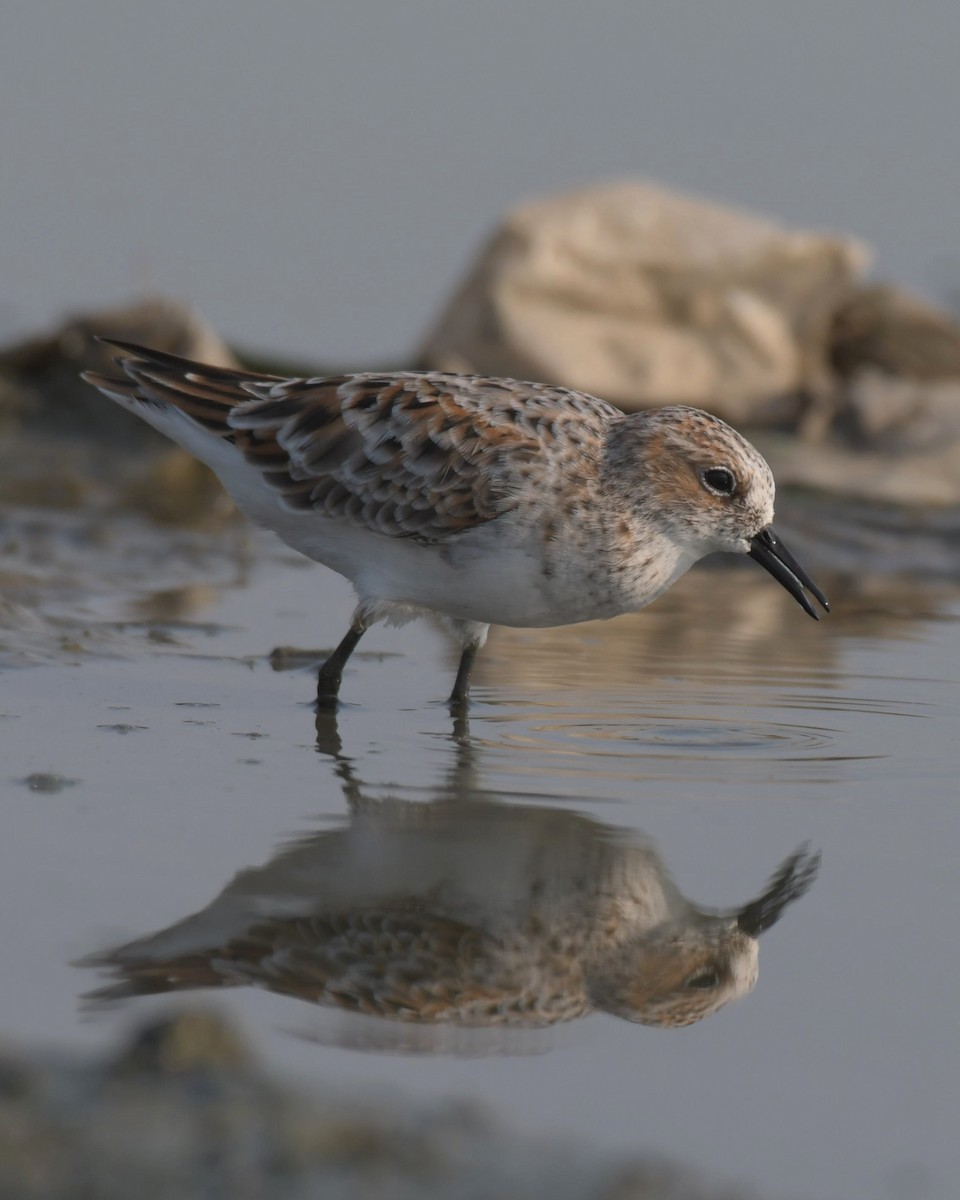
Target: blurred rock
[(895, 333), (892, 432), (40, 377), (205, 1123), (645, 296), (905, 416), (45, 407), (895, 438), (876, 473), (192, 1041)]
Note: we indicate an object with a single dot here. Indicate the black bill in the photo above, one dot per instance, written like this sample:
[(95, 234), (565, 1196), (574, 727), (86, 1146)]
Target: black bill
[(792, 880), (767, 549)]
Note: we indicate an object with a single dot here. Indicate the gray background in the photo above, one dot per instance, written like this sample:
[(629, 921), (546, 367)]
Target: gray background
[(314, 176)]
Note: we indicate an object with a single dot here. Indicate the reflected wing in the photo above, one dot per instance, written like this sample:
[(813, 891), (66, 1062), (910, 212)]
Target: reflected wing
[(404, 965)]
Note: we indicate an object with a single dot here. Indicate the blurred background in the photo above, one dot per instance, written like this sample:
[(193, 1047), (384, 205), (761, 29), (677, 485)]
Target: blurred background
[(314, 177)]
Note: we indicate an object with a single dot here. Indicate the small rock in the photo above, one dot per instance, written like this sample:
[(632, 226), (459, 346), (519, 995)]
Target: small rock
[(48, 782), (188, 1041), (893, 332)]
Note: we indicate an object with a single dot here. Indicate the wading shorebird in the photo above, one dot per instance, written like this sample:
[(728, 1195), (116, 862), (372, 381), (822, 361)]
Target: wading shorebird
[(467, 913), (480, 501)]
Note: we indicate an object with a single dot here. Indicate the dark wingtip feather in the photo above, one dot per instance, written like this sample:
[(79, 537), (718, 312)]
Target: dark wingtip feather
[(793, 879)]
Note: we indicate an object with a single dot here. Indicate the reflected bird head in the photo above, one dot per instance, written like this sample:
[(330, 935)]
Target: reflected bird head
[(696, 963)]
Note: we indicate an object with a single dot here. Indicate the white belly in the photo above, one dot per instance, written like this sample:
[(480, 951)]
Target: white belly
[(495, 574), (469, 578)]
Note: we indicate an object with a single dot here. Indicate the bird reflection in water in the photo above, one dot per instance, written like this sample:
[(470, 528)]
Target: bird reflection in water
[(465, 911)]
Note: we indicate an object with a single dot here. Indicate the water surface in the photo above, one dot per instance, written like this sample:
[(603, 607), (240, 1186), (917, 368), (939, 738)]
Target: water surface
[(150, 753)]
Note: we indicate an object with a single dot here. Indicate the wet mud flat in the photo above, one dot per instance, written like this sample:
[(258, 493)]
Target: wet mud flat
[(182, 1110)]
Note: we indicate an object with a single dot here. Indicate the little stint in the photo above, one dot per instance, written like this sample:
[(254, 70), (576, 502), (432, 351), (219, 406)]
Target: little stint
[(481, 501)]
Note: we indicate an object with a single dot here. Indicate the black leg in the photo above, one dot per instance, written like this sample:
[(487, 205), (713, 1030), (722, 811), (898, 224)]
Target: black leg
[(460, 696), (330, 675)]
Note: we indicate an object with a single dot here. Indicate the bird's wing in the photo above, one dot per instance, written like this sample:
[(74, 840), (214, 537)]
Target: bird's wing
[(404, 964), (423, 455), (410, 965)]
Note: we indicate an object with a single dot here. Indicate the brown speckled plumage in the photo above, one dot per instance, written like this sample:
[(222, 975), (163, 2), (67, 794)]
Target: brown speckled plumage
[(479, 500), (467, 913)]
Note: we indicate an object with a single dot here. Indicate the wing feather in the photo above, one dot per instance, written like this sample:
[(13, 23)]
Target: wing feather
[(422, 455), (403, 964)]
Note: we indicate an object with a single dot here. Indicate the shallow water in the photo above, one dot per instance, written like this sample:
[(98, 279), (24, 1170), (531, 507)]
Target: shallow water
[(150, 752)]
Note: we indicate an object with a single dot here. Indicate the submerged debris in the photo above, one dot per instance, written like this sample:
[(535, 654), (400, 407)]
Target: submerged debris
[(48, 782)]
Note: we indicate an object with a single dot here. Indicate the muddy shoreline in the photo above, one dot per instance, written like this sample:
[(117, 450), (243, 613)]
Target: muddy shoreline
[(182, 1111)]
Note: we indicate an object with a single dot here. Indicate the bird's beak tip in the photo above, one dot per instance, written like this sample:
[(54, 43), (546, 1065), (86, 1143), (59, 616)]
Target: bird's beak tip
[(768, 550)]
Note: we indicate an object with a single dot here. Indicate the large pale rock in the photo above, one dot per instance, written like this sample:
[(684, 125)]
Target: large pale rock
[(645, 296)]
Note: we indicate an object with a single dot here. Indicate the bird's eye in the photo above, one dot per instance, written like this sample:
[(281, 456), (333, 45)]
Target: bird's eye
[(720, 481), (703, 981)]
